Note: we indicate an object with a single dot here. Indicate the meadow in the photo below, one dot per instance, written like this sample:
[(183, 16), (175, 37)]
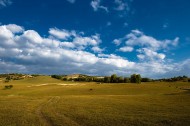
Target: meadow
[(44, 101)]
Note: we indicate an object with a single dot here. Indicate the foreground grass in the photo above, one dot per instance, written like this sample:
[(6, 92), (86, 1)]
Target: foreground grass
[(46, 101)]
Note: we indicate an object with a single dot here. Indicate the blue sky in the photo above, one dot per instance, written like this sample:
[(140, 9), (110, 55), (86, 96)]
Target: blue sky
[(95, 37)]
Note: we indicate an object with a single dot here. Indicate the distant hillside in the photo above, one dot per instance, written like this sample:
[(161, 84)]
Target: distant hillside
[(75, 76)]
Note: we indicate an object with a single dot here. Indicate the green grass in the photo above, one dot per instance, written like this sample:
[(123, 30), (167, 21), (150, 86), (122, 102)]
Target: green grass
[(42, 101)]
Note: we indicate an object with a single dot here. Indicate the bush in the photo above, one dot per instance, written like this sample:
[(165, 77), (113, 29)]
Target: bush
[(35, 75), (8, 86), (7, 79), (65, 79), (145, 80), (56, 76)]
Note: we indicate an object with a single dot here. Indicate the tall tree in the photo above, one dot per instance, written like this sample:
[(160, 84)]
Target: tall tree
[(113, 78), (136, 78)]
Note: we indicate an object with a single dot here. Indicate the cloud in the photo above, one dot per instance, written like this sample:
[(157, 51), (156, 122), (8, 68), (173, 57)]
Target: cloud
[(96, 5), (146, 53), (117, 61), (121, 6), (85, 41), (147, 47), (71, 1), (125, 24), (97, 49), (76, 40), (165, 25), (5, 3), (61, 34), (117, 42), (126, 49), (15, 28), (5, 33), (109, 24), (150, 52), (138, 38), (67, 45), (29, 52)]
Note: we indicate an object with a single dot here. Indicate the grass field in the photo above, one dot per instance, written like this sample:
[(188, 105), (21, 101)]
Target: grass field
[(44, 101)]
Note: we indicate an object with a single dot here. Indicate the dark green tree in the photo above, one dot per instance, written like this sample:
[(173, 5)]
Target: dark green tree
[(113, 78), (107, 79), (126, 80), (120, 80), (135, 78)]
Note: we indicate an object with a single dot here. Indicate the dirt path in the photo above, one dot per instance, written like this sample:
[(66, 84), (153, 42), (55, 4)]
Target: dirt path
[(58, 84), (44, 119)]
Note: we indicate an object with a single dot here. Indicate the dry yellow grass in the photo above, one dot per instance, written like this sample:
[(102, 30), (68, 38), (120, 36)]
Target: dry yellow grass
[(47, 101)]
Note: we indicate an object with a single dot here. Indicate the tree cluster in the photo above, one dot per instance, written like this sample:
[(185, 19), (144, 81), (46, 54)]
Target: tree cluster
[(174, 79), (135, 78), (15, 76), (56, 76)]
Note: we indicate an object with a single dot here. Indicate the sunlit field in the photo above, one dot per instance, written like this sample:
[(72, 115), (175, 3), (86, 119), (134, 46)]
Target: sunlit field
[(44, 101)]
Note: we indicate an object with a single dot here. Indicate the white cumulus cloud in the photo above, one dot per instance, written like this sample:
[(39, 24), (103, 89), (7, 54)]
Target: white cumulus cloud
[(126, 49), (147, 47), (29, 52), (97, 49), (15, 28), (138, 38), (60, 34), (117, 42), (146, 53)]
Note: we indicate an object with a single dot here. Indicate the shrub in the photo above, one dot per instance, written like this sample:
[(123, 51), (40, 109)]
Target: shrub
[(65, 79), (145, 80), (56, 76), (35, 75), (7, 79), (8, 86)]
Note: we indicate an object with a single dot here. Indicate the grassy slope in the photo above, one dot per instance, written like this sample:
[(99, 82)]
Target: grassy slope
[(30, 103)]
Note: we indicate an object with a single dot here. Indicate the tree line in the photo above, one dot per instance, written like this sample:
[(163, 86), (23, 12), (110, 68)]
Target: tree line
[(174, 79), (135, 78)]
